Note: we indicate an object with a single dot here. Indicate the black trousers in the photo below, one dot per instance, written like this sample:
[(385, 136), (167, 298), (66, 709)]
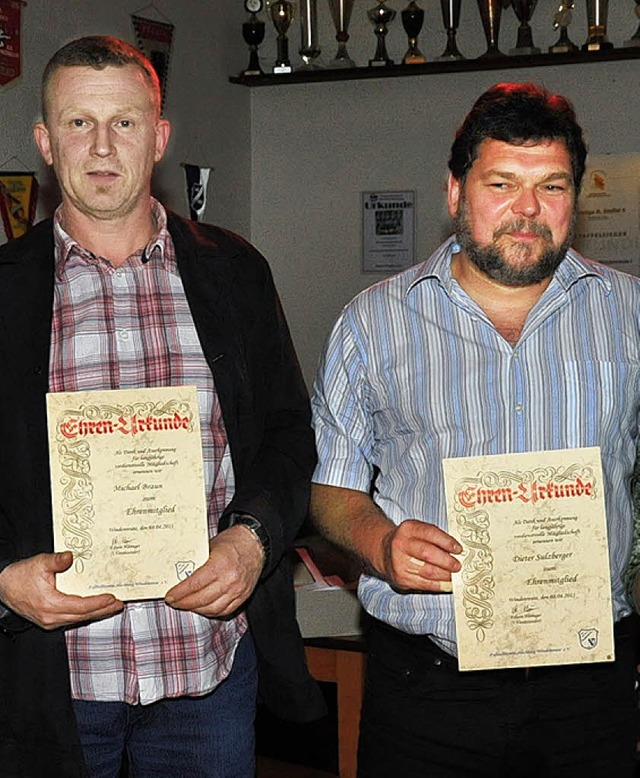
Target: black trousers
[(423, 718)]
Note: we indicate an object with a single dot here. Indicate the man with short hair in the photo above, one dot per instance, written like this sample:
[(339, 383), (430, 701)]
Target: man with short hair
[(115, 292), (505, 340)]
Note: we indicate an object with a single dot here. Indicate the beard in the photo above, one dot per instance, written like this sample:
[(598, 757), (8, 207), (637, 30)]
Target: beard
[(515, 264)]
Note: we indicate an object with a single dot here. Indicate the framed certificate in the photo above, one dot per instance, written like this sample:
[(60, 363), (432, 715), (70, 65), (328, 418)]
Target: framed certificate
[(534, 588), (127, 489)]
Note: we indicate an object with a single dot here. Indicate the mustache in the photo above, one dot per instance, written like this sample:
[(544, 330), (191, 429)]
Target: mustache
[(522, 225)]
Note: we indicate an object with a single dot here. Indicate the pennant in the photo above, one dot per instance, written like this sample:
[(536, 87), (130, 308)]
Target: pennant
[(10, 11), (197, 180), (18, 197), (154, 41)]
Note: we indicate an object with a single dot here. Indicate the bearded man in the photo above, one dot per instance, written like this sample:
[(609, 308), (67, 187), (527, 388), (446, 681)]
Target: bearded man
[(504, 341)]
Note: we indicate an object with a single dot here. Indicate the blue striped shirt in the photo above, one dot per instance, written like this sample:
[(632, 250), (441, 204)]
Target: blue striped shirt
[(415, 372)]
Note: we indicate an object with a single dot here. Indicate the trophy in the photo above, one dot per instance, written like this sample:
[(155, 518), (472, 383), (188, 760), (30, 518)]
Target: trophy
[(282, 16), (524, 11), (309, 48), (490, 11), (451, 19), (635, 40), (341, 15), (412, 19), (253, 34), (597, 11), (562, 20), (380, 17)]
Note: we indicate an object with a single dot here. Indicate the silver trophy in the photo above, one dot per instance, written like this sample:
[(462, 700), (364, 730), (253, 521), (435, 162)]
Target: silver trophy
[(490, 13), (451, 20), (597, 11), (561, 21), (381, 17), (635, 40), (282, 16), (341, 15), (524, 11), (309, 48)]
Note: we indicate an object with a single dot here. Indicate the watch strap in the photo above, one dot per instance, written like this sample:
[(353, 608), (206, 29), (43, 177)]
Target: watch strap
[(258, 530)]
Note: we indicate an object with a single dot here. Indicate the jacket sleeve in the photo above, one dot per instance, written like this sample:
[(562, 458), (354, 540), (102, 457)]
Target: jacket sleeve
[(279, 457)]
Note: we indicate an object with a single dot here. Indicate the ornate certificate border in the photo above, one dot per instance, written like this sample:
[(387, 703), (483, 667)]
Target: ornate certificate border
[(74, 452)]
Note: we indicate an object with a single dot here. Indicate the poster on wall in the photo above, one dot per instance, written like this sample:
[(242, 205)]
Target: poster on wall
[(388, 231), (154, 41), (10, 11), (608, 225)]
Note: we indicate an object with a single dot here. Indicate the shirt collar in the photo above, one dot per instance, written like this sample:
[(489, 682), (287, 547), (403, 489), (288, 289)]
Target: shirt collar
[(572, 269), (68, 250)]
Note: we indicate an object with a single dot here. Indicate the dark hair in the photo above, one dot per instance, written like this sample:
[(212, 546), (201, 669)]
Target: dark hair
[(99, 52), (518, 113)]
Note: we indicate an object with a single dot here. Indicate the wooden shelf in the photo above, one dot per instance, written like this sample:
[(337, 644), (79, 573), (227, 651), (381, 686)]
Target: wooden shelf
[(430, 68)]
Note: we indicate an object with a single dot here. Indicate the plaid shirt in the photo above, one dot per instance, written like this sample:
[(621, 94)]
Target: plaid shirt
[(121, 328)]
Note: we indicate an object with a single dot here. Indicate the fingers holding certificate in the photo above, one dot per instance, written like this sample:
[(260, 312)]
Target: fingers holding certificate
[(534, 588)]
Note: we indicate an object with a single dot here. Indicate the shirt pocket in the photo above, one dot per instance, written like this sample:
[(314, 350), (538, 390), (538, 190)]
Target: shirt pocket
[(600, 403)]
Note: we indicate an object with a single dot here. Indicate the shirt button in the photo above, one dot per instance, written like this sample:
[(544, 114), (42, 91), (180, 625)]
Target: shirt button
[(518, 408), (124, 335)]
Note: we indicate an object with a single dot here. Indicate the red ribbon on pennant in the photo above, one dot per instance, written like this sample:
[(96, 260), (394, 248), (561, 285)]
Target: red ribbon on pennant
[(10, 11)]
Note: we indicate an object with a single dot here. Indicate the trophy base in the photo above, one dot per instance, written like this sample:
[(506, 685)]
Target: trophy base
[(523, 51), (309, 67), (597, 46), (342, 62), (492, 54), (381, 63), (282, 69), (414, 59), (252, 73), (449, 58), (563, 48)]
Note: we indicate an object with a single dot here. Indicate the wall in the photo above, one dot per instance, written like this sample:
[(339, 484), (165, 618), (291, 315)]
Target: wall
[(291, 162), (316, 147), (211, 118)]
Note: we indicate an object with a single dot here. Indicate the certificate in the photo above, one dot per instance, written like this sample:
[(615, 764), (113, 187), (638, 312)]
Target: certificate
[(388, 231), (608, 225), (127, 489), (534, 588)]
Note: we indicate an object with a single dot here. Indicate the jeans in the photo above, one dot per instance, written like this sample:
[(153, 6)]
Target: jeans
[(423, 718), (199, 737)]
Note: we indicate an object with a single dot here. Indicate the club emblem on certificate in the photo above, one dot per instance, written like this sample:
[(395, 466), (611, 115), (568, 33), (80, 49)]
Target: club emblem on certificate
[(534, 588), (127, 489)]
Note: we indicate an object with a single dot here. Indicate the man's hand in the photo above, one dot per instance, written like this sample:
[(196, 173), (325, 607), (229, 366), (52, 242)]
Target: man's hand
[(28, 588), (226, 579), (412, 556), (417, 556)]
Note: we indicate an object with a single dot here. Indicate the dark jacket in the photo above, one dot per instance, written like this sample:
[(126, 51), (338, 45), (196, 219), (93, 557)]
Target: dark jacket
[(265, 408)]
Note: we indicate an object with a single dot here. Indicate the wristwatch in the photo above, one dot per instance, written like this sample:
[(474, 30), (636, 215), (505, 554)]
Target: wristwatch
[(259, 532), (253, 6)]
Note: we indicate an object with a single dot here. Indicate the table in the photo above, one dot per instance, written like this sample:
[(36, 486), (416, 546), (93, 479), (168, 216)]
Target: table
[(341, 660)]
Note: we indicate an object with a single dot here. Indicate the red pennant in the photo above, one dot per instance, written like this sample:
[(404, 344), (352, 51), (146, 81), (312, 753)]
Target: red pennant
[(18, 196), (154, 41), (10, 11)]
